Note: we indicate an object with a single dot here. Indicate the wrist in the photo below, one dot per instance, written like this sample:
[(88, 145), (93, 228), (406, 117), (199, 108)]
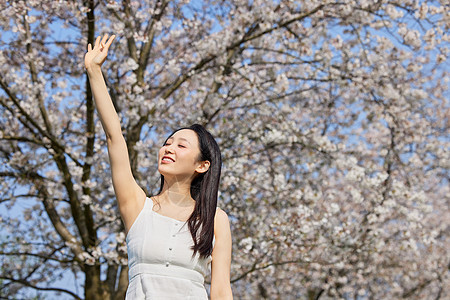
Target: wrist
[(94, 70)]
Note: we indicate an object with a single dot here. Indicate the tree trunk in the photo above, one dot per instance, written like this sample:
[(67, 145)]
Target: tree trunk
[(94, 289)]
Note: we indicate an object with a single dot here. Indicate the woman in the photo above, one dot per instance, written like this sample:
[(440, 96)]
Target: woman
[(166, 260)]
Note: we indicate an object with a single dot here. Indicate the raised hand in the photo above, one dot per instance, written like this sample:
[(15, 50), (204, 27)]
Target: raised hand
[(96, 56)]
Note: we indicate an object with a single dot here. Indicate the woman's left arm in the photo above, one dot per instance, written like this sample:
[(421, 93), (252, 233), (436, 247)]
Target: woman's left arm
[(221, 258)]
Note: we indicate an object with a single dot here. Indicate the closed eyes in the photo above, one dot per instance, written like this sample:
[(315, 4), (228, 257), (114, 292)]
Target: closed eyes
[(181, 146)]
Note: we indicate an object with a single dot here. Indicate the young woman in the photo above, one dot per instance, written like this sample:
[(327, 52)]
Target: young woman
[(174, 236)]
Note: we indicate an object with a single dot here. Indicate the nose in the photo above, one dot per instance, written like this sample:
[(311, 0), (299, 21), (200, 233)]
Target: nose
[(168, 149)]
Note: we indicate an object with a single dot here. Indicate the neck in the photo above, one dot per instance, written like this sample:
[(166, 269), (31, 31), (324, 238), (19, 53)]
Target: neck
[(176, 192)]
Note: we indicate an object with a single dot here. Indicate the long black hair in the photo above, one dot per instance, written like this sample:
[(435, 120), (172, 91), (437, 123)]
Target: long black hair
[(204, 190)]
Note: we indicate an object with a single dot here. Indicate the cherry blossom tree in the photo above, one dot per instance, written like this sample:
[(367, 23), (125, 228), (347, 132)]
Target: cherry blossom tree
[(332, 117)]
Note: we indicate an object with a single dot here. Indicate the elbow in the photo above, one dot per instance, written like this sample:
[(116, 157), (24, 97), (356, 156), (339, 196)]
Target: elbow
[(114, 137)]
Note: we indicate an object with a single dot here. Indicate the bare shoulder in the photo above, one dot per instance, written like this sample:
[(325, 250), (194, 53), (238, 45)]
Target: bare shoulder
[(221, 222), (221, 216)]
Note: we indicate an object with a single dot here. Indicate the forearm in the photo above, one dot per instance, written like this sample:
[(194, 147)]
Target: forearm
[(108, 115), (221, 293)]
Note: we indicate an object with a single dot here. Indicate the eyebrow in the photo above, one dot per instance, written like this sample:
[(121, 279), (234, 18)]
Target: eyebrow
[(180, 138)]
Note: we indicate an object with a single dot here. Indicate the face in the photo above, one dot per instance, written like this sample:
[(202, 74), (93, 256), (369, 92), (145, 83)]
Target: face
[(179, 156)]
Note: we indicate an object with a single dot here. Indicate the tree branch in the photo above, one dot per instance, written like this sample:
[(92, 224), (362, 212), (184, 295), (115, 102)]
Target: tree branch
[(34, 78), (27, 284)]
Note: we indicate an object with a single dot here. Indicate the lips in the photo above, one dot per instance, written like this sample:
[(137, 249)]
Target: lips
[(167, 159)]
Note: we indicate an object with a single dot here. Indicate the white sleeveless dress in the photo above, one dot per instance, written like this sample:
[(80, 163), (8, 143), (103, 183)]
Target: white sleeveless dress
[(159, 259)]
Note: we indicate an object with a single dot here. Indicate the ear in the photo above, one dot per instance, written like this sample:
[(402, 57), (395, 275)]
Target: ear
[(203, 167)]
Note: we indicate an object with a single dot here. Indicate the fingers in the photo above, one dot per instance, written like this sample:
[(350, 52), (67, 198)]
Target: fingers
[(111, 39), (97, 42), (104, 39), (103, 42)]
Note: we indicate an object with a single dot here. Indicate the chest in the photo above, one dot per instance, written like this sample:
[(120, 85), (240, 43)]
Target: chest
[(159, 239), (178, 214)]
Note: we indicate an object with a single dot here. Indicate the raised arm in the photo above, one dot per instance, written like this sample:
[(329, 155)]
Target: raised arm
[(129, 195)]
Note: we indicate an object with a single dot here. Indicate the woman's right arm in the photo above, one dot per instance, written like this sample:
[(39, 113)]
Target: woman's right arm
[(129, 194)]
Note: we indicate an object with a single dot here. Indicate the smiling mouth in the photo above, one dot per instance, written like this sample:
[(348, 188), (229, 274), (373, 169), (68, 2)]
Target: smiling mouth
[(167, 160)]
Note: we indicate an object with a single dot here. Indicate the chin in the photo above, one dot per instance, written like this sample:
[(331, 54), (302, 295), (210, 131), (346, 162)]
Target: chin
[(166, 173), (176, 175), (162, 171)]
